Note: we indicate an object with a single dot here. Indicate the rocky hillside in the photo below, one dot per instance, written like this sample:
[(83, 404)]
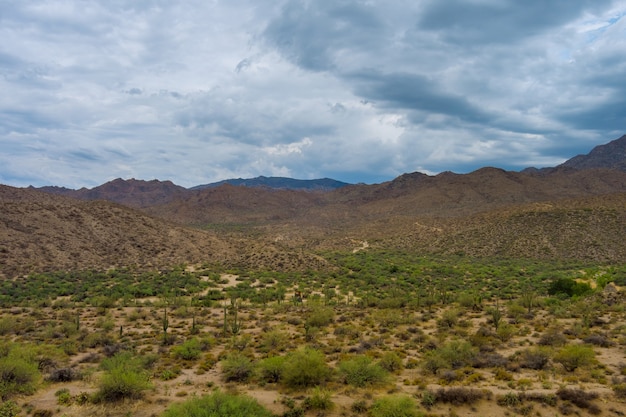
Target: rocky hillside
[(560, 213), (40, 232), (612, 155), (132, 193)]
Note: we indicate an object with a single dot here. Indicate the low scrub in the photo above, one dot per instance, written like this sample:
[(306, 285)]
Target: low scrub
[(237, 367), (305, 367), (125, 377), (271, 369), (459, 395), (534, 358), (320, 399), (453, 355), (362, 371), (218, 404), (394, 406), (19, 373), (579, 398), (573, 357)]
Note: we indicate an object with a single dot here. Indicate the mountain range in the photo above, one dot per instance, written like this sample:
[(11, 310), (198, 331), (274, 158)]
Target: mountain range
[(574, 211)]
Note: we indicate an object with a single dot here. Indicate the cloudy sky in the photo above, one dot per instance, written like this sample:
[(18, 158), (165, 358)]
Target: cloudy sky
[(198, 91)]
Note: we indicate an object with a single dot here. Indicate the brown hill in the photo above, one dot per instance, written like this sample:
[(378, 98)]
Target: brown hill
[(489, 212), (41, 232), (563, 213), (132, 192), (611, 155)]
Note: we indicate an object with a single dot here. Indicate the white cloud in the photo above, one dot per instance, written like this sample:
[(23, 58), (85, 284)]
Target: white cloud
[(200, 91)]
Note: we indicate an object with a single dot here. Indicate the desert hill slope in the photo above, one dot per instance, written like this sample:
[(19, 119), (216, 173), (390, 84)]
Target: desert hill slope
[(42, 232), (132, 192), (611, 155), (559, 213)]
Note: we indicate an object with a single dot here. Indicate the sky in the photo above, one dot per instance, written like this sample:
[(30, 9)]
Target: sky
[(199, 91)]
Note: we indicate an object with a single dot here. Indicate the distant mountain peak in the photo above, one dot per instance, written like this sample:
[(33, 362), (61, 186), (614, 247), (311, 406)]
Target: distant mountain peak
[(611, 155), (281, 183)]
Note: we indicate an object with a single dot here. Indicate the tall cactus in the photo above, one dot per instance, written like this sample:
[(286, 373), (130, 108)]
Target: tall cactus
[(166, 324)]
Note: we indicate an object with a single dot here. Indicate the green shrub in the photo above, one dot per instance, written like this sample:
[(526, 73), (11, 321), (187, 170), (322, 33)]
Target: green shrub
[(271, 369), (361, 371), (453, 355), (459, 395), (120, 383), (237, 367), (125, 377), (320, 399), (448, 319), (534, 358), (394, 406), (578, 397), (17, 376), (305, 367), (9, 409), (218, 404), (573, 357), (391, 362), (63, 396), (190, 350), (273, 340), (320, 317), (569, 287)]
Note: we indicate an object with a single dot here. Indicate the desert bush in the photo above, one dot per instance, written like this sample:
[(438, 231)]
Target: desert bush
[(125, 377), (568, 287), (534, 358), (218, 404), (305, 367), (362, 371), (552, 337), (505, 331), (458, 395), (510, 399), (579, 398), (63, 375), (448, 319), (394, 406), (320, 317), (454, 354), (320, 399), (273, 340), (122, 383), (489, 360), (63, 396), (237, 367), (18, 374), (190, 350), (598, 340), (271, 369), (391, 362), (9, 409), (619, 390), (348, 331), (359, 407), (573, 357)]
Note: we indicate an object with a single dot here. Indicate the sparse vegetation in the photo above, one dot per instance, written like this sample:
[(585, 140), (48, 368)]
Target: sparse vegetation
[(362, 339), (218, 404)]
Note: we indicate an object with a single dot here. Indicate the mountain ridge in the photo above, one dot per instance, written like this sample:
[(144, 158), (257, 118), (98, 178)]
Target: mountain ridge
[(561, 213)]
